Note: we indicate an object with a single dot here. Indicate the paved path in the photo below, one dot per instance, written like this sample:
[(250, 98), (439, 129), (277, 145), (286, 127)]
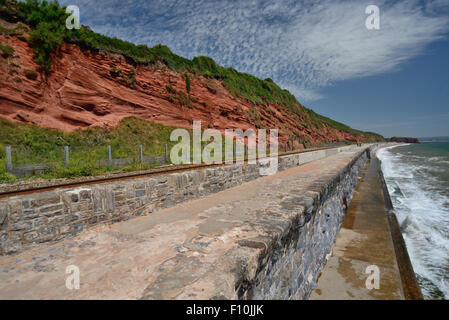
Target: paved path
[(364, 240), (189, 251)]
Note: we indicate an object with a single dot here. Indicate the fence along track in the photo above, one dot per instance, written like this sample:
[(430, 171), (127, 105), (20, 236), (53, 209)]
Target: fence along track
[(21, 189)]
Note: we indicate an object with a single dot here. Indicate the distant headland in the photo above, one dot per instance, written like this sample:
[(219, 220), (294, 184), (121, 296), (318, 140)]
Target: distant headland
[(404, 139)]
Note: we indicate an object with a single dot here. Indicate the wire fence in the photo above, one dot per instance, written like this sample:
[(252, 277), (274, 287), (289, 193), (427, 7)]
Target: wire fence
[(77, 161), (70, 161)]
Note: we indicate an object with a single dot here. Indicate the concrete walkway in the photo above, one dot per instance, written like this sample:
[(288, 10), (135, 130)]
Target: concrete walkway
[(195, 250), (364, 240)]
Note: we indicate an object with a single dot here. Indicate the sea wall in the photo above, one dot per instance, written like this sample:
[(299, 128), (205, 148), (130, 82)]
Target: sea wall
[(30, 219), (410, 286), (298, 257)]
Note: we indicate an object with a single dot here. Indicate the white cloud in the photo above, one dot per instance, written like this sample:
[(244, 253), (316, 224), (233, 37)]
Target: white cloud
[(305, 94), (302, 45)]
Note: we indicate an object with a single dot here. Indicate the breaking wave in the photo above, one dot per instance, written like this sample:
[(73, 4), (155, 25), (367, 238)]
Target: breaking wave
[(417, 177)]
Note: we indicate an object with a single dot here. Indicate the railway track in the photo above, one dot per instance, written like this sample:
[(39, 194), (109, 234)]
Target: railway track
[(36, 186)]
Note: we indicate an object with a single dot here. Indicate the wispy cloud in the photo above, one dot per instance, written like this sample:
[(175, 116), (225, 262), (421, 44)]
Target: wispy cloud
[(303, 45)]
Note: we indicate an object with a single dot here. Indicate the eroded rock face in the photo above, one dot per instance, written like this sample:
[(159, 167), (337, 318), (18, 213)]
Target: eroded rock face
[(84, 91)]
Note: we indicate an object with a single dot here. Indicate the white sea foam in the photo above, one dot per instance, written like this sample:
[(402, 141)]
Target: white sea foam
[(423, 215)]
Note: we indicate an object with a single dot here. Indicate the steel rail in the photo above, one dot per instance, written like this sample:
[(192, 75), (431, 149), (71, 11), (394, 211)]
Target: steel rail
[(21, 189)]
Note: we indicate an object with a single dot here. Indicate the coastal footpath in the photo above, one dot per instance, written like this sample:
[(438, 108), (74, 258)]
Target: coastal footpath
[(369, 239), (249, 237)]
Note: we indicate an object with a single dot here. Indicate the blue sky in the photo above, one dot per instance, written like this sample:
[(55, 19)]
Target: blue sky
[(394, 81)]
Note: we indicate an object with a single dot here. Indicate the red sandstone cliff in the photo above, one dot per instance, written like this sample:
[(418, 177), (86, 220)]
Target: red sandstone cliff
[(81, 92)]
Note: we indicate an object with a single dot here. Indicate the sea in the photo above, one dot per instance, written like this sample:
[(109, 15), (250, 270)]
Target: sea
[(417, 176)]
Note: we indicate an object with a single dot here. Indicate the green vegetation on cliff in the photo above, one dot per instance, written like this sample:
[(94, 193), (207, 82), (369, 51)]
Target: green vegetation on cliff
[(319, 120)]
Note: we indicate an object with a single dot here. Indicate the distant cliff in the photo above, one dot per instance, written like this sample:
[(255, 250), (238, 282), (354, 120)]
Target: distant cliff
[(404, 139)]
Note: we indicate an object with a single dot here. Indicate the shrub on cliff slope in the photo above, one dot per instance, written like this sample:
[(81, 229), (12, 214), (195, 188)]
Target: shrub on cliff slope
[(48, 33), (115, 72), (187, 79), (6, 51), (130, 80), (30, 74), (44, 42)]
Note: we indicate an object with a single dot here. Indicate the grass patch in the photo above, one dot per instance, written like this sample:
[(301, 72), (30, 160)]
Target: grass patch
[(6, 51), (115, 72), (180, 97), (254, 116), (170, 89), (130, 80), (32, 144), (16, 31), (88, 148), (30, 74), (184, 100)]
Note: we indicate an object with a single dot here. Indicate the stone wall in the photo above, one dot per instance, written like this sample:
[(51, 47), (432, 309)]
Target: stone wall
[(296, 260), (31, 219)]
